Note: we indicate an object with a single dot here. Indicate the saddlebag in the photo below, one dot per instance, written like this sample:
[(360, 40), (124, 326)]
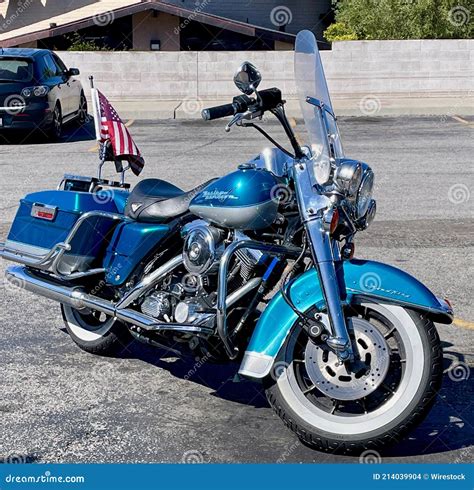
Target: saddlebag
[(45, 219)]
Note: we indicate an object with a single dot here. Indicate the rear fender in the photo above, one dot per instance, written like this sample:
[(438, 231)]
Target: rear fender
[(358, 279)]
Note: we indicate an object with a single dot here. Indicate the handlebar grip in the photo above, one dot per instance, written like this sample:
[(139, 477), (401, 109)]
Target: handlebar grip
[(218, 111)]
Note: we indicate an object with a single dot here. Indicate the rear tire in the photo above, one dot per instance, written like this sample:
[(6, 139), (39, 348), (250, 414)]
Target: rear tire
[(94, 332), (82, 114), (351, 431), (56, 129)]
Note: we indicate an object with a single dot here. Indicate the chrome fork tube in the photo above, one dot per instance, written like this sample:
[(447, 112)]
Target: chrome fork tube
[(312, 206), (323, 258)]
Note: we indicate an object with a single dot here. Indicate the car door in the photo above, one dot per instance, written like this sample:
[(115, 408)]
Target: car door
[(73, 85), (59, 82)]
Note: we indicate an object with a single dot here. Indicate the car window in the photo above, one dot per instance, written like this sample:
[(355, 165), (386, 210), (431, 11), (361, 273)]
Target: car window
[(49, 68), (16, 69), (60, 65)]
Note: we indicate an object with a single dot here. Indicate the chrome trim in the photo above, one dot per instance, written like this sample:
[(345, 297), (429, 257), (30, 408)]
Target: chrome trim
[(255, 365), (222, 282), (153, 325), (27, 279), (241, 292), (149, 281), (312, 206)]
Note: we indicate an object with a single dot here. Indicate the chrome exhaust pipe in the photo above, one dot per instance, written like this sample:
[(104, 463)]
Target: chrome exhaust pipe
[(21, 277)]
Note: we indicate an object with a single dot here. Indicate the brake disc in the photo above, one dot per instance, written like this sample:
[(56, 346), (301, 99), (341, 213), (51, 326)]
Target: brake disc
[(355, 380)]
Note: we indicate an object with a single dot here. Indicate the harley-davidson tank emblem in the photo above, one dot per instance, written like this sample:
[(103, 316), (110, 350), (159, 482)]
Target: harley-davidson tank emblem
[(218, 195)]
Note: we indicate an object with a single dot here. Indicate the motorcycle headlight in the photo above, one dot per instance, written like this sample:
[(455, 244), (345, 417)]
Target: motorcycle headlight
[(364, 194), (348, 176)]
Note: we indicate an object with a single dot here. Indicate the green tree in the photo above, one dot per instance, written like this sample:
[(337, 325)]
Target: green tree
[(402, 19)]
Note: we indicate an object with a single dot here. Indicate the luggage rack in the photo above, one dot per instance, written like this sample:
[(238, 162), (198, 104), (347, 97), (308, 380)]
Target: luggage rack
[(50, 261), (80, 183)]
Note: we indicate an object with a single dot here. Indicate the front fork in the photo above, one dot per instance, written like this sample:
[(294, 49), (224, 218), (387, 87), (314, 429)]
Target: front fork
[(322, 252), (312, 206)]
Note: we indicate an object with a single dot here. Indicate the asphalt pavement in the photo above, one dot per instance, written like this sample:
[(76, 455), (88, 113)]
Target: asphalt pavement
[(60, 404)]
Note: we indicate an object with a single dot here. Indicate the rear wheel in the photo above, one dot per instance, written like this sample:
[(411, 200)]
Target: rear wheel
[(82, 115), (56, 130), (95, 332), (371, 402)]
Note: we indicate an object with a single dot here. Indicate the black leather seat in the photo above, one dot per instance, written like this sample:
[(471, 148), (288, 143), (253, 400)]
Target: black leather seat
[(155, 200)]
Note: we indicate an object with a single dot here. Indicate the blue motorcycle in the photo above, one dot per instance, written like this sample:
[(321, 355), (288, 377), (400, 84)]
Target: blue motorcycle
[(255, 267)]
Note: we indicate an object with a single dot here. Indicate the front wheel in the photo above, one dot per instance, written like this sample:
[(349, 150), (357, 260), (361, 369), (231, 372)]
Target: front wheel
[(95, 332), (368, 403)]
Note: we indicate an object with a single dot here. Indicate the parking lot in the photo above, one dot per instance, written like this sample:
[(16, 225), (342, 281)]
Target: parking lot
[(59, 404)]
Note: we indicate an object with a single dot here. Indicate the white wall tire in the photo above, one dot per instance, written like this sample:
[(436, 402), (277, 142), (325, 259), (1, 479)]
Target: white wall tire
[(94, 333), (420, 378)]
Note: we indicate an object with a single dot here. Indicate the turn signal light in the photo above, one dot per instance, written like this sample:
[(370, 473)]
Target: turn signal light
[(331, 220), (334, 221)]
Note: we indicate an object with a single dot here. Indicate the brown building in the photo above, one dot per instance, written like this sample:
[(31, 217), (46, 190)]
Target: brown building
[(170, 25)]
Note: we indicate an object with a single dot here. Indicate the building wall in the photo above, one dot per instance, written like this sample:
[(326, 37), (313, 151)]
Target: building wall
[(302, 14), (148, 26), (354, 69)]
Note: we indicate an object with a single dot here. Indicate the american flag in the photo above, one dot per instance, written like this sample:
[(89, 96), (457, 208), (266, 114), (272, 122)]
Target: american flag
[(112, 129)]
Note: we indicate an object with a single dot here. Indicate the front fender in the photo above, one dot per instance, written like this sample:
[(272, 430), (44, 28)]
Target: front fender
[(357, 278)]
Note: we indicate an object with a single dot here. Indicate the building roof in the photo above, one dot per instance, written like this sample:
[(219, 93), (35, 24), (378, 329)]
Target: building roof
[(89, 15)]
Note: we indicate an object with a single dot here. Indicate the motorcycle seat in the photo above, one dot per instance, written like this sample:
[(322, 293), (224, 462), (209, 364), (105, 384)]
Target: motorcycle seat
[(155, 200)]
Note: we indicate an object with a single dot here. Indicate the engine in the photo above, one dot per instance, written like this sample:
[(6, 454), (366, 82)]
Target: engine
[(189, 294), (203, 247)]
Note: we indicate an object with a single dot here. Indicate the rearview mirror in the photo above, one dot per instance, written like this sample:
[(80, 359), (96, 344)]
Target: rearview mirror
[(73, 72), (247, 78)]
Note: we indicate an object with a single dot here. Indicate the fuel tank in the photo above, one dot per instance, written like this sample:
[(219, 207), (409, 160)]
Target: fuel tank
[(246, 199)]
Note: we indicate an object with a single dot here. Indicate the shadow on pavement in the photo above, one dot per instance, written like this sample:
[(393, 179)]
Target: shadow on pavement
[(448, 426), (72, 133)]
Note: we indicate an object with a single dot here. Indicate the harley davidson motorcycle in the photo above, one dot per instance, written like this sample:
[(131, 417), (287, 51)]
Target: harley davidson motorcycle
[(255, 267)]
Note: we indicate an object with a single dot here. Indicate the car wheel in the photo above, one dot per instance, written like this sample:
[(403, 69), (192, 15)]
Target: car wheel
[(56, 130), (82, 114)]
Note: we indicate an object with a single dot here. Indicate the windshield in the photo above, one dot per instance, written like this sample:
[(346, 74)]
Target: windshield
[(321, 125), (16, 70)]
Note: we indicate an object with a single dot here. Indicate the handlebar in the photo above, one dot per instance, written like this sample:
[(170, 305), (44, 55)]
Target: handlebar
[(266, 100)]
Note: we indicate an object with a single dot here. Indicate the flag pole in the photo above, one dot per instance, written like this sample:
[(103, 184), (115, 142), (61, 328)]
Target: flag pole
[(96, 113)]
